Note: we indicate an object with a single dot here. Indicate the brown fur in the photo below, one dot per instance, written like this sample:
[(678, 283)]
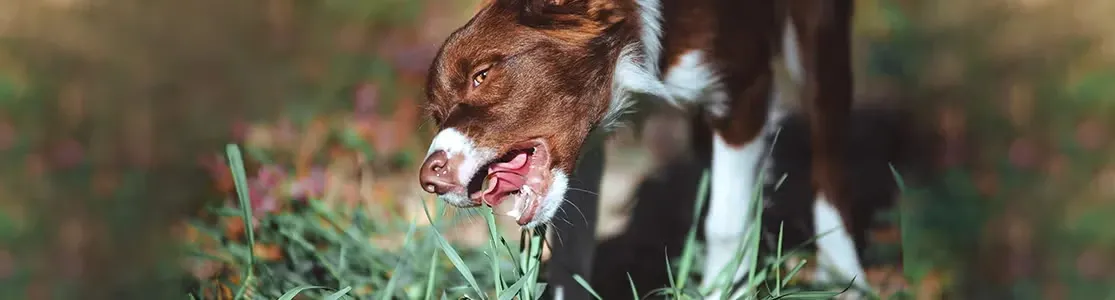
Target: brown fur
[(551, 64), (550, 75)]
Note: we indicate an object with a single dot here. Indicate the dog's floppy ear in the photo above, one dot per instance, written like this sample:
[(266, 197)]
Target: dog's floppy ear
[(555, 14)]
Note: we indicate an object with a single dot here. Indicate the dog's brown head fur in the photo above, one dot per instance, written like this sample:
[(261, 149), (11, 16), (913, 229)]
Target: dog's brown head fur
[(526, 70)]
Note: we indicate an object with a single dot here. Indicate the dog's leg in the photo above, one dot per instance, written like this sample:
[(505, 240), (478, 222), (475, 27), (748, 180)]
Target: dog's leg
[(730, 214), (823, 53), (738, 151)]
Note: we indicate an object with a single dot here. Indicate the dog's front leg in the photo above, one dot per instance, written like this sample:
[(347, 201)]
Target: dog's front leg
[(738, 149), (730, 211)]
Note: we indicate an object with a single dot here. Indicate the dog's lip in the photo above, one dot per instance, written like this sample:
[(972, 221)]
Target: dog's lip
[(474, 187), (536, 171), (531, 209)]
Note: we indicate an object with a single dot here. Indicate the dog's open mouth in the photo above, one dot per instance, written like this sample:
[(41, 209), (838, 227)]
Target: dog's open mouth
[(522, 174)]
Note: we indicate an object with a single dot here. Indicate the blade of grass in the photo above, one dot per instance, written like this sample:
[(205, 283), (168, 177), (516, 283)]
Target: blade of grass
[(493, 240), (581, 280), (790, 275), (453, 256), (432, 275), (538, 289), (390, 289), (338, 294), (669, 271), (533, 261), (289, 295), (662, 291), (813, 295), (511, 253), (240, 180), (514, 289), (778, 257), (905, 237), (524, 251), (688, 251), (634, 291), (753, 237)]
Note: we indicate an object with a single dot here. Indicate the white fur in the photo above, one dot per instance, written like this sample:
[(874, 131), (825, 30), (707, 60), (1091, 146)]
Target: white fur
[(455, 143), (650, 32), (551, 202), (636, 70), (837, 259), (791, 55), (691, 77), (630, 78), (729, 215)]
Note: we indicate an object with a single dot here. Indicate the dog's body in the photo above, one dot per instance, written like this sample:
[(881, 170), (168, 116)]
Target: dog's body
[(880, 139), (519, 90)]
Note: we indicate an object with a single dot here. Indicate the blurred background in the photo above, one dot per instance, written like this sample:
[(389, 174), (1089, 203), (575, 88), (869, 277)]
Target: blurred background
[(114, 115)]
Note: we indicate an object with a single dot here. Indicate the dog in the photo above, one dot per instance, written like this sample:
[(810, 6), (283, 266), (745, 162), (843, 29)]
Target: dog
[(524, 86)]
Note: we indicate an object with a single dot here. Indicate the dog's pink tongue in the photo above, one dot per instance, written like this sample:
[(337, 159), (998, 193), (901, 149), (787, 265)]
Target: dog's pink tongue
[(505, 178)]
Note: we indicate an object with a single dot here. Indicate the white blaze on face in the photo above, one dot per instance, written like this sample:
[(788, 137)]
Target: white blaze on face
[(459, 147)]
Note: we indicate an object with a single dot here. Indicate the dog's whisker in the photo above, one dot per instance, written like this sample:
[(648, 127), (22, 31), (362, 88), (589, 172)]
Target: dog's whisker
[(556, 232), (583, 217), (584, 191)]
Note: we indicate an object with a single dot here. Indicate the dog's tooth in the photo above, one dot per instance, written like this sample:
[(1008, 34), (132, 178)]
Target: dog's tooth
[(514, 213)]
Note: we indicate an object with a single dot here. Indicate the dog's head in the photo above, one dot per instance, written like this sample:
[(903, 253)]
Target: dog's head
[(515, 92)]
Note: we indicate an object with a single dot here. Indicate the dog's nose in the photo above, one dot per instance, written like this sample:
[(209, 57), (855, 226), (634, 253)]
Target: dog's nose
[(437, 175)]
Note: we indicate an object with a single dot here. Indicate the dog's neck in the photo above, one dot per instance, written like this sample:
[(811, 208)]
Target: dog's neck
[(636, 70)]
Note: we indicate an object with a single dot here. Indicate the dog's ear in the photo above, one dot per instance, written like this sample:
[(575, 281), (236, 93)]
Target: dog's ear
[(557, 14)]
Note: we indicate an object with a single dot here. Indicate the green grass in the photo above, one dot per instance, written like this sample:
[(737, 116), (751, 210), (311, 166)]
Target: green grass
[(326, 255)]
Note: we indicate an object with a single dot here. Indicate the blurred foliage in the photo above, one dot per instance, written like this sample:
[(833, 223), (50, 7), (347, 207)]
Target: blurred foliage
[(1021, 95), (111, 111)]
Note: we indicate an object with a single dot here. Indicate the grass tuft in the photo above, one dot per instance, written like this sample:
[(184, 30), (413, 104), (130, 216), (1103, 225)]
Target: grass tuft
[(322, 246)]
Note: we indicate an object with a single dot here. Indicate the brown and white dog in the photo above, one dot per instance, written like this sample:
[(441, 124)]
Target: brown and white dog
[(520, 89)]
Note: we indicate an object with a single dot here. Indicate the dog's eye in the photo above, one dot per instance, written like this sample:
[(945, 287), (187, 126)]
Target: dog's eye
[(479, 77)]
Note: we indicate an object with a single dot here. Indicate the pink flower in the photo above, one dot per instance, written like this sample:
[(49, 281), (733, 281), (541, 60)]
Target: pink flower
[(310, 186), (270, 176), (365, 100), (261, 189)]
